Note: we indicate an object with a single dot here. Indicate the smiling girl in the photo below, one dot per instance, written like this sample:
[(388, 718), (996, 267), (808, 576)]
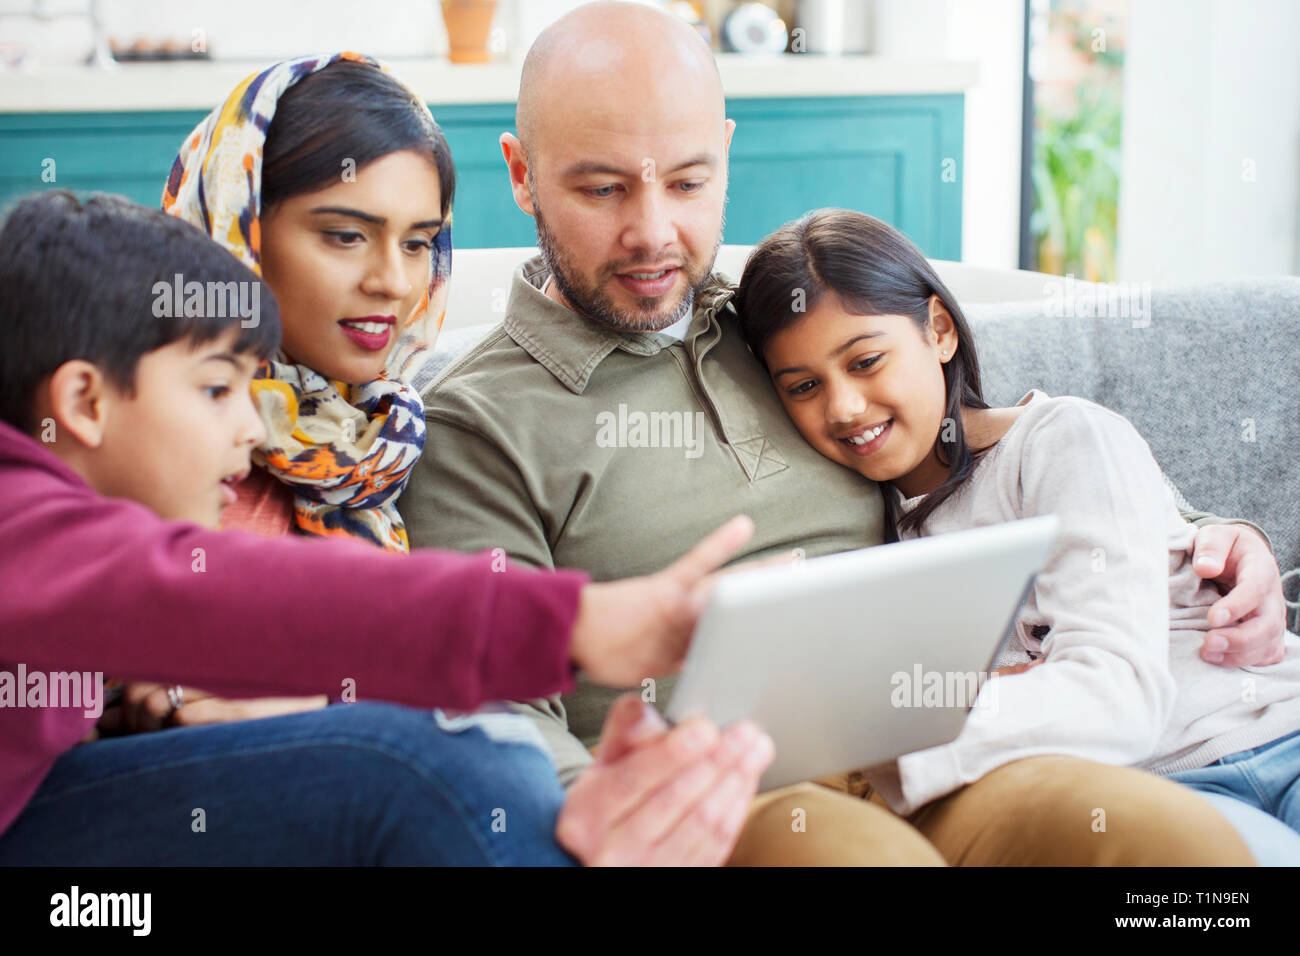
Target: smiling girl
[(330, 179), (875, 364)]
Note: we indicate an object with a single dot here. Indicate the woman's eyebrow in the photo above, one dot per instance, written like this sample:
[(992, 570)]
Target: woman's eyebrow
[(353, 213), (377, 220)]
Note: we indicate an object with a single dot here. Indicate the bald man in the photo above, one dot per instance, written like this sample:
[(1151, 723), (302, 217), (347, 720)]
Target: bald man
[(534, 448)]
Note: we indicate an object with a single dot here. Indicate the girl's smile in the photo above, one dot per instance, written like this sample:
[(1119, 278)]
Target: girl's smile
[(868, 440)]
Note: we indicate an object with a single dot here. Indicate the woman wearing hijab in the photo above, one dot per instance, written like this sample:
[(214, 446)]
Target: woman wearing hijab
[(331, 180)]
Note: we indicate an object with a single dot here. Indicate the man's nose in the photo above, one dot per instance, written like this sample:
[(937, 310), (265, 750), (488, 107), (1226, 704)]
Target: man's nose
[(651, 227)]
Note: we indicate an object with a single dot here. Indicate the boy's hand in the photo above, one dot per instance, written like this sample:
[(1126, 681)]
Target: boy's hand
[(663, 797), (1248, 624), (636, 628)]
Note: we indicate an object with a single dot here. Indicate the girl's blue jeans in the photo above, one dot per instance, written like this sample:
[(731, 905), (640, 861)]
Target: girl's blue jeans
[(1258, 791), (352, 784)]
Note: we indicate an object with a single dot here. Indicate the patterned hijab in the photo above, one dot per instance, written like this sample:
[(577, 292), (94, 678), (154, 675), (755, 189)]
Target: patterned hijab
[(345, 451)]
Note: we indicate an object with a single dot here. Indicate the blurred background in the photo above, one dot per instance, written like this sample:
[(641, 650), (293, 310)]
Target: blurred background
[(1145, 140)]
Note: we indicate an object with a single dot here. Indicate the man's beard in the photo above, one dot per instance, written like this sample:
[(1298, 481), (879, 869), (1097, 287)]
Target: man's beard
[(590, 299)]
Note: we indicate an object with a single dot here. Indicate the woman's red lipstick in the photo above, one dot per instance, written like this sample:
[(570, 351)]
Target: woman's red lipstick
[(365, 332)]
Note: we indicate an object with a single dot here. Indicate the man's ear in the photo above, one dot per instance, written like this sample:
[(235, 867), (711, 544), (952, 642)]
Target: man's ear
[(78, 401), (731, 128), (517, 164), (943, 328)]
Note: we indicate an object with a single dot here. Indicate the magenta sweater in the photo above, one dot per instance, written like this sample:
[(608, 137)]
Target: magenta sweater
[(91, 584)]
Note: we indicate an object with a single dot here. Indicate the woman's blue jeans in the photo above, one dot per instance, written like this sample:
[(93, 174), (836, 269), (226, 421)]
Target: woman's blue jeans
[(352, 784)]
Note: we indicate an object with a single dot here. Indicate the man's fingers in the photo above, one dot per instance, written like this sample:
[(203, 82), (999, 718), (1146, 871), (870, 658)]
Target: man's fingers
[(1208, 562), (679, 795), (721, 819), (632, 839), (712, 552), (1211, 548), (1254, 593), (1247, 595), (606, 793), (699, 838), (624, 785), (707, 834), (1258, 640), (628, 724), (1248, 660)]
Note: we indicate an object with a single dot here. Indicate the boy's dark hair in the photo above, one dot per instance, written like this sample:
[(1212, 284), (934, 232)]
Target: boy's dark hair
[(77, 281), (875, 271), (346, 111)]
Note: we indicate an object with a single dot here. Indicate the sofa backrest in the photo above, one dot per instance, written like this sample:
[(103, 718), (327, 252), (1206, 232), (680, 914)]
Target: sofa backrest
[(1210, 377)]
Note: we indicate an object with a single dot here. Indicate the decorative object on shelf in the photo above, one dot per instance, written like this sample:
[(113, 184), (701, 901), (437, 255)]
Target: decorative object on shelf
[(832, 27), (692, 14), (147, 50), (754, 28), (469, 25), (14, 57)]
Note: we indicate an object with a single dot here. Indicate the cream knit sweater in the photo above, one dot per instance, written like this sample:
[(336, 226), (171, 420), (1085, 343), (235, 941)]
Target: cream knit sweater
[(1123, 611)]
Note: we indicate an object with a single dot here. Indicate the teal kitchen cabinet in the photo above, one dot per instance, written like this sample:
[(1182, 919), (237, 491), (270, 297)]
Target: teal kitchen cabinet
[(895, 157)]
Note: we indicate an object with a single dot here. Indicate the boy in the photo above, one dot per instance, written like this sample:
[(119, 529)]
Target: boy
[(122, 424)]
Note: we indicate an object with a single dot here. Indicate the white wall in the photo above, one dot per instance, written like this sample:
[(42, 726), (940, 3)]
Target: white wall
[(1211, 90), (239, 29), (989, 33)]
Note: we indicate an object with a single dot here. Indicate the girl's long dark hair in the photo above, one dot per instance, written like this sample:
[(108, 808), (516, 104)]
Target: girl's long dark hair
[(875, 271), (348, 110)]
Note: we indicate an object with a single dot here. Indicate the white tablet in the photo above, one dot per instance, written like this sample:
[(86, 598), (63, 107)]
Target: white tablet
[(854, 659)]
